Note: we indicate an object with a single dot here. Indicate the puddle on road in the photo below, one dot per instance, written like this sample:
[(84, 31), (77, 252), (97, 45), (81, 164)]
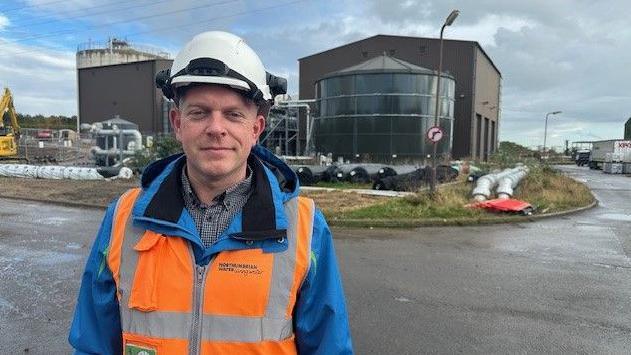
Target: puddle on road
[(54, 221), (52, 258), (38, 257), (74, 246), (589, 227), (616, 217)]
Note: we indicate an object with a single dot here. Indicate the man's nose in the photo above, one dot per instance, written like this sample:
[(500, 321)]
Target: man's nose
[(215, 124)]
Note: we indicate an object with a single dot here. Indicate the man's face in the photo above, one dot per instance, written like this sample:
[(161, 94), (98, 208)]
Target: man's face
[(217, 128)]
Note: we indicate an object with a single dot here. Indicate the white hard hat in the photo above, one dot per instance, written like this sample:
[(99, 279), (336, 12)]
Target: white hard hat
[(217, 57)]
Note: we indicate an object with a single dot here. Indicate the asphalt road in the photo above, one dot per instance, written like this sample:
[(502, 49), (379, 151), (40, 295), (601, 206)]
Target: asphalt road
[(554, 286)]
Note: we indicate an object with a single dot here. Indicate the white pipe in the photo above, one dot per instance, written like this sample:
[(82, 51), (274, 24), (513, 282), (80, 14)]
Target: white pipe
[(483, 187), (506, 185), (487, 183), (137, 137), (112, 151), (57, 172)]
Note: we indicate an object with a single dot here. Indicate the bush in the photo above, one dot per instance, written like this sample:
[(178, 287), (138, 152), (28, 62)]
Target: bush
[(166, 145), (163, 146)]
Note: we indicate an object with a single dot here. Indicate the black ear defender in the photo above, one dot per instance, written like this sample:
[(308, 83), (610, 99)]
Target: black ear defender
[(277, 85), (163, 81)]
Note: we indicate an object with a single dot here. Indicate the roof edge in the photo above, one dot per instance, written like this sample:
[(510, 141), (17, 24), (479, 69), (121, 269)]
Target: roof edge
[(397, 36)]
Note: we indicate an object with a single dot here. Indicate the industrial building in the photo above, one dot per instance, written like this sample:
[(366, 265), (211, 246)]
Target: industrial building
[(476, 110), (118, 79), (627, 129)]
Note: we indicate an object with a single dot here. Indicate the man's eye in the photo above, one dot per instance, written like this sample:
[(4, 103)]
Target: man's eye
[(234, 114), (197, 114)]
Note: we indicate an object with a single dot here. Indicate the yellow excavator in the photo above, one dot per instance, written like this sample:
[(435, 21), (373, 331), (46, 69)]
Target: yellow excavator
[(9, 135)]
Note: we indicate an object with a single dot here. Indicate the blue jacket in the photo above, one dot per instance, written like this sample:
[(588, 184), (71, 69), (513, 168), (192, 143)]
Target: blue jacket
[(320, 318)]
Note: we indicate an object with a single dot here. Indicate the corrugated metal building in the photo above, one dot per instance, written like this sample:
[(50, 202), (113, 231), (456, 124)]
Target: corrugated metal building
[(127, 90), (478, 81)]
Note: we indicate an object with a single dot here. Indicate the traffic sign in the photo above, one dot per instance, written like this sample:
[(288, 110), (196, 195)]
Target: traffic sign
[(435, 134)]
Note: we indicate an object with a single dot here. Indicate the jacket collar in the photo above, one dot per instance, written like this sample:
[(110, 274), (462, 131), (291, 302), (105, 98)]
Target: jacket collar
[(162, 202)]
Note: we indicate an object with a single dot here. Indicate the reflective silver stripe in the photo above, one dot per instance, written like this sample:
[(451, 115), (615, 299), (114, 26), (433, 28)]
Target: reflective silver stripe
[(245, 329), (284, 266), (176, 325)]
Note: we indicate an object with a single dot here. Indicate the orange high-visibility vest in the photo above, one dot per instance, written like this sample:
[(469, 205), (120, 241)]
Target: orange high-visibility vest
[(240, 303)]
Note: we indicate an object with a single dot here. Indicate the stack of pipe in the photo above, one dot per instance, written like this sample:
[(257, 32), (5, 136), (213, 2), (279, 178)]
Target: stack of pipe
[(506, 181), (58, 172)]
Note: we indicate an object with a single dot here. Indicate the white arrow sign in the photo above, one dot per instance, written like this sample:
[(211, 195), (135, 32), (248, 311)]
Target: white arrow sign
[(435, 134)]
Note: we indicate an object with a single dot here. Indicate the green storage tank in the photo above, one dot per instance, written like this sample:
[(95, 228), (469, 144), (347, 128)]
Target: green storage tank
[(380, 111)]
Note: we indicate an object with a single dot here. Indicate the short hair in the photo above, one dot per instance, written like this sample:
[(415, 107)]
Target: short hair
[(263, 106)]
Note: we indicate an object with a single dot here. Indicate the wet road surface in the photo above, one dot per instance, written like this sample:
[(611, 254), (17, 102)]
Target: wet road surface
[(553, 286)]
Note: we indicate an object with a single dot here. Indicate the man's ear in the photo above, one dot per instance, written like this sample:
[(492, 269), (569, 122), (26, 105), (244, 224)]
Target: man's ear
[(259, 126), (175, 117)]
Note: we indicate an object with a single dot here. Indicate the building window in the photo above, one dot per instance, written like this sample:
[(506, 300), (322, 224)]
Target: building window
[(392, 52), (478, 125), (423, 49), (487, 144), (364, 54), (493, 135)]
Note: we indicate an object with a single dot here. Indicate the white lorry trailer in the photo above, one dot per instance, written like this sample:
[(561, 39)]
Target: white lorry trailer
[(609, 154)]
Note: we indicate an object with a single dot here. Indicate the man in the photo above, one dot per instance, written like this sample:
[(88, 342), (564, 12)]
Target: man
[(215, 253)]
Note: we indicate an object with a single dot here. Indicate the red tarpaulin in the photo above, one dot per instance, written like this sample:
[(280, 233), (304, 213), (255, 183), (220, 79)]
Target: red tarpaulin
[(505, 205)]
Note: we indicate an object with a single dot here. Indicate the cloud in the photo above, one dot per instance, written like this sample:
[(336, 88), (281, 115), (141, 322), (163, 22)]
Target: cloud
[(4, 22), (42, 81), (568, 55)]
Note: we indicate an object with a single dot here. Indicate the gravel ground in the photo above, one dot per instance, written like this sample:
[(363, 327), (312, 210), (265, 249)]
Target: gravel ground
[(92, 193), (100, 193)]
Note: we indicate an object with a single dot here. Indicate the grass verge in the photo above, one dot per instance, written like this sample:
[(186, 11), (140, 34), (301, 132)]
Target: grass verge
[(546, 189)]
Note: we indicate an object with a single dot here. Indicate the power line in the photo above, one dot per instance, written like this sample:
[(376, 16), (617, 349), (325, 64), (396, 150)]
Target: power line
[(61, 32), (172, 26), (179, 27), (31, 6), (91, 14), (77, 10)]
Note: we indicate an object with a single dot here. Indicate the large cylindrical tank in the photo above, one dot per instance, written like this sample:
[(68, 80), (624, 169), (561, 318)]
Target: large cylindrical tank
[(380, 111)]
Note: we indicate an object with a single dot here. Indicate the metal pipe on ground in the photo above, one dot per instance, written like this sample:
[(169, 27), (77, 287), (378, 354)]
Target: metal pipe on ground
[(486, 184), (506, 185)]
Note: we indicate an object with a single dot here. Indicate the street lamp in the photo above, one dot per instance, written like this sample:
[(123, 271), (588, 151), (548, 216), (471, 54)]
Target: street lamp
[(450, 19), (545, 131)]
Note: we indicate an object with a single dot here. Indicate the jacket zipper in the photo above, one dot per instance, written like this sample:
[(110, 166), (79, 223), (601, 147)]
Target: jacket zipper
[(198, 304)]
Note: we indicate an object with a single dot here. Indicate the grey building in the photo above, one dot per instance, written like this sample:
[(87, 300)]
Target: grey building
[(116, 78), (127, 90), (477, 82)]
